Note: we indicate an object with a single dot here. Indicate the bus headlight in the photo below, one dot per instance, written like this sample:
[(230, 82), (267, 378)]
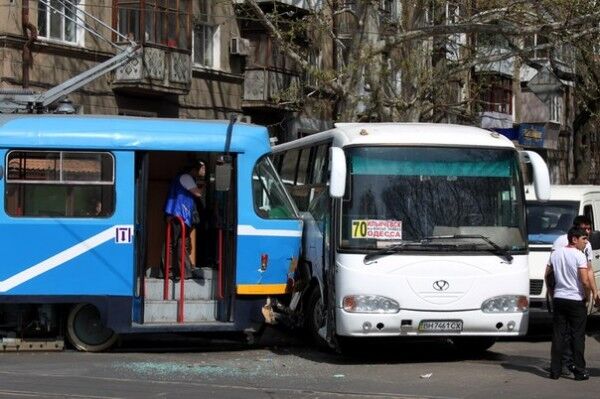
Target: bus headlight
[(506, 304), (369, 304)]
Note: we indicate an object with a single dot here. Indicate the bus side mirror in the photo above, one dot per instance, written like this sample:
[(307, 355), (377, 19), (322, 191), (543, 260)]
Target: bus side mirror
[(595, 240), (541, 176), (337, 177), (223, 175)]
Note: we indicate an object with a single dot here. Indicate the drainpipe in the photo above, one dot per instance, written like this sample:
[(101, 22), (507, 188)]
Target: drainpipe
[(30, 33)]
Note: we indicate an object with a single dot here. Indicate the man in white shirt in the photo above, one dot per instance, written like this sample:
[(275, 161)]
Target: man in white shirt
[(584, 223), (568, 269)]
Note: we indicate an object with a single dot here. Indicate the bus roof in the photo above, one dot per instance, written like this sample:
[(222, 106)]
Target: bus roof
[(570, 192), (128, 133), (405, 134)]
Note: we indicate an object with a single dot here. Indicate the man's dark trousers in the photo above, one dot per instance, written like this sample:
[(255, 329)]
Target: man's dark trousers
[(570, 317)]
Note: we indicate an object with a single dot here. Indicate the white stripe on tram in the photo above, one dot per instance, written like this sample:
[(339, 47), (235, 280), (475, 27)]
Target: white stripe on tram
[(248, 230), (60, 258)]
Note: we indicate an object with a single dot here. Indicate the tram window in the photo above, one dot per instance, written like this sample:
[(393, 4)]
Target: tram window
[(59, 184), (270, 199)]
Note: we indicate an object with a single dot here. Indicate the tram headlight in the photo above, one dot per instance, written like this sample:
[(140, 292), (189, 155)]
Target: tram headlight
[(369, 304), (506, 304)]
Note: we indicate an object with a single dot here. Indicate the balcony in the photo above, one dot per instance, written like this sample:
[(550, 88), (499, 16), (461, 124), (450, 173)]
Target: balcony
[(270, 88), (156, 69)]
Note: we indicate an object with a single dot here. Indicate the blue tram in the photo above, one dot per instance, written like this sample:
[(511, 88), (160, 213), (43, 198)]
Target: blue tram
[(83, 230)]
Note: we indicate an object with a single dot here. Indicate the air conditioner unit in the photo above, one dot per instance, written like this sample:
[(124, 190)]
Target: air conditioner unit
[(239, 46)]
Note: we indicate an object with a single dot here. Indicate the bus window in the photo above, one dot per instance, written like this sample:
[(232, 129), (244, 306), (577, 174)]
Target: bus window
[(319, 173), (59, 184), (301, 191), (270, 198), (288, 167), (303, 167)]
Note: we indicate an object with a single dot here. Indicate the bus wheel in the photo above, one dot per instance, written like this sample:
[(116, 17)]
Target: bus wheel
[(315, 318), (473, 345), (85, 330)]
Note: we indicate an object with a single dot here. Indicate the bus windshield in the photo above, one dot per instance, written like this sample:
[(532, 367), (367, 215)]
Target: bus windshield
[(407, 194), (546, 221)]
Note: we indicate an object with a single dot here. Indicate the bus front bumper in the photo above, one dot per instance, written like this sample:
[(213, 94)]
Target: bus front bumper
[(423, 323)]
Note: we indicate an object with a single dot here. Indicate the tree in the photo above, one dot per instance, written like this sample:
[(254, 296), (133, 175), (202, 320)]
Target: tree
[(422, 60)]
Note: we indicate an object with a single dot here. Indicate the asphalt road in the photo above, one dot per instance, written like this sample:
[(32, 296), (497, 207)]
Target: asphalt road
[(283, 367)]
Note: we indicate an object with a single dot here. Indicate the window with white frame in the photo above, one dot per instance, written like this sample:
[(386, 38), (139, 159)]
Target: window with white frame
[(59, 20), (205, 45), (533, 42), (452, 12), (205, 37), (555, 108)]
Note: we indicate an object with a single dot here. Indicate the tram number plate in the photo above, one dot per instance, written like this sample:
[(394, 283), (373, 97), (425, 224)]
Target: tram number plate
[(440, 326)]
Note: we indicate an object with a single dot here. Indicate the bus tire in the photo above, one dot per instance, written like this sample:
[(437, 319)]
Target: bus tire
[(85, 330), (315, 318), (473, 345)]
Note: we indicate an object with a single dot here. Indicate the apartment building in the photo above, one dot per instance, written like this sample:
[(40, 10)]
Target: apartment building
[(183, 67)]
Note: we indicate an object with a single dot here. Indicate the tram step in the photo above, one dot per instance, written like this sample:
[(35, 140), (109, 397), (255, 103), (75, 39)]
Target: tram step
[(156, 311), (195, 289)]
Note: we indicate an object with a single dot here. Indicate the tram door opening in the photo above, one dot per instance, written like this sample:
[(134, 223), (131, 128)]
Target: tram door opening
[(209, 280)]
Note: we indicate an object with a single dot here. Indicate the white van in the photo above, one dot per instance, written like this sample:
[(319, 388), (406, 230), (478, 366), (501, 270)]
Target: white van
[(546, 220)]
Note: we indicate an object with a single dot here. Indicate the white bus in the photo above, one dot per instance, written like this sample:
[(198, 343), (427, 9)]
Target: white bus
[(412, 230)]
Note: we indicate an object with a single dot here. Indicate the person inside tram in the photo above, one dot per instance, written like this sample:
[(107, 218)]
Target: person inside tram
[(182, 202)]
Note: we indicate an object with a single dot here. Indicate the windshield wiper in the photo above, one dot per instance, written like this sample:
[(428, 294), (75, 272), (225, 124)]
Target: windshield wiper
[(498, 250), (392, 249)]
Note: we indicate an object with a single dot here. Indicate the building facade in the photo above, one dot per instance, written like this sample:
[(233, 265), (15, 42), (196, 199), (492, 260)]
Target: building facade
[(182, 69)]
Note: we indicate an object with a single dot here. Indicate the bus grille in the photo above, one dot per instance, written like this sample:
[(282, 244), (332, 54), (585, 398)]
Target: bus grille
[(535, 287)]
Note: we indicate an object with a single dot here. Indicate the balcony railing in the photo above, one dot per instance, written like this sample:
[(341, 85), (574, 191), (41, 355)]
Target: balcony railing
[(156, 69), (268, 87)]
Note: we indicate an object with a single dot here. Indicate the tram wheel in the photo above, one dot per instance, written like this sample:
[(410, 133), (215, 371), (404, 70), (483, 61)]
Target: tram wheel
[(85, 330)]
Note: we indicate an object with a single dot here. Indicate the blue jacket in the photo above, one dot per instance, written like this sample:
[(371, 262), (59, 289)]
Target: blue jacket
[(180, 202)]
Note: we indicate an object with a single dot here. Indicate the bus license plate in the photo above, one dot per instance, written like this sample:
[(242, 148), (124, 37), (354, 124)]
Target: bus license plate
[(441, 326)]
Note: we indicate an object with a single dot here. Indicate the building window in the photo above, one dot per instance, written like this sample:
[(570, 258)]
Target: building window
[(162, 22), (496, 94), (59, 184), (315, 58), (388, 11), (394, 81), (58, 20), (555, 108), (204, 45), (531, 42)]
